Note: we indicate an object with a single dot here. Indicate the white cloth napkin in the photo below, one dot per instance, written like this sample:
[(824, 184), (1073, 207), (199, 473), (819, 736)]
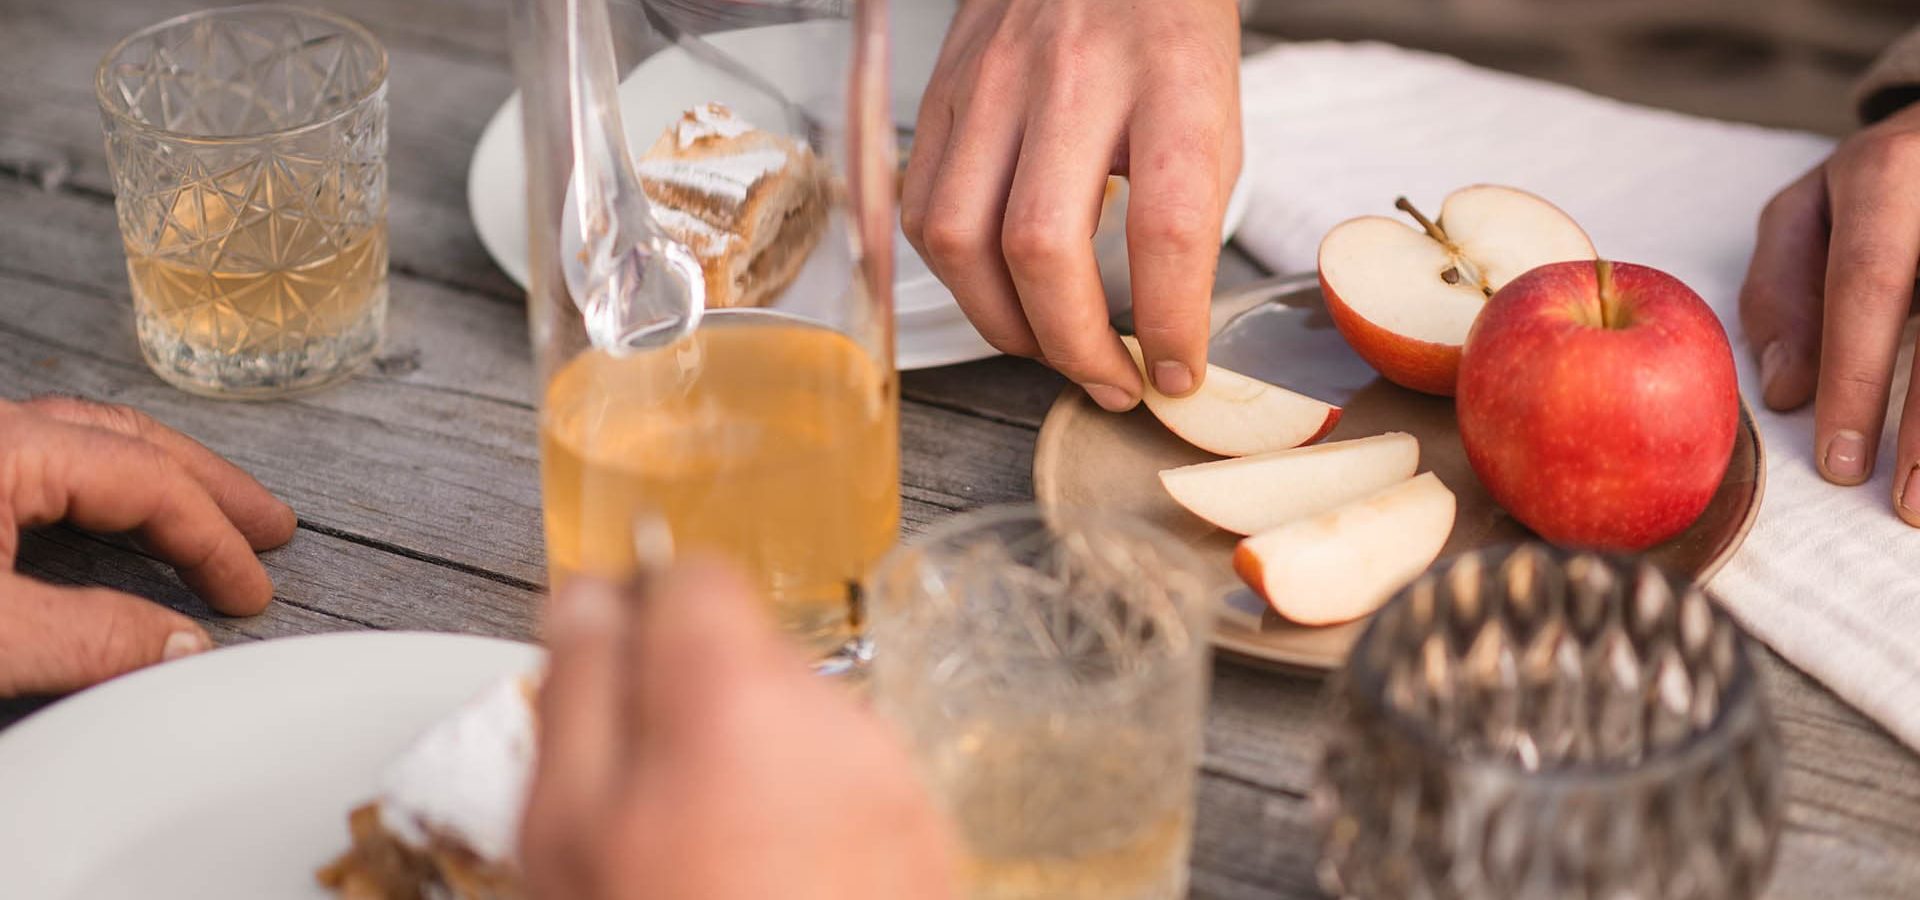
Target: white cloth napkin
[(1829, 577)]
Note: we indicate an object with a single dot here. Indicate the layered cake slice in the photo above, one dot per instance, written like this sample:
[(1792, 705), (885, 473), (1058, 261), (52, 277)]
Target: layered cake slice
[(447, 818), (750, 204)]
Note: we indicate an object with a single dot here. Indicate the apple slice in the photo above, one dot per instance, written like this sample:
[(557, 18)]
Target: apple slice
[(1346, 562), (1405, 297), (1254, 493), (1233, 415)]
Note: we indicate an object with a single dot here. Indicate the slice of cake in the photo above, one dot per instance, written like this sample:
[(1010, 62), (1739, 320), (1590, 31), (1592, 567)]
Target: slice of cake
[(750, 204), (447, 819)]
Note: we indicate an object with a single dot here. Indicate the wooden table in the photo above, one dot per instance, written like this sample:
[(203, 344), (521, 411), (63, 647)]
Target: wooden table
[(415, 483)]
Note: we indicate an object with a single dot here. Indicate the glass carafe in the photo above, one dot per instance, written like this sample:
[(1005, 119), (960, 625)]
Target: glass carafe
[(761, 133)]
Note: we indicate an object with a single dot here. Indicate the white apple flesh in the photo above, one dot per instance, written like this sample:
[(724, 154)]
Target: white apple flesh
[(1233, 415), (1255, 493), (1406, 297), (1346, 562)]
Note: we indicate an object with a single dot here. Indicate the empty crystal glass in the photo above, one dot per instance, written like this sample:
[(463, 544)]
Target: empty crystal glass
[(1537, 723), (1049, 673)]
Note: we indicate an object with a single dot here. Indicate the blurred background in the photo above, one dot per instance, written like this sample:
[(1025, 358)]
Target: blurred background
[(1775, 62)]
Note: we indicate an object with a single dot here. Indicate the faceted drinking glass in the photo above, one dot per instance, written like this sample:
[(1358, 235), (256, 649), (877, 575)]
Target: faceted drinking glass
[(769, 435), (1537, 723), (248, 151), (1049, 672)]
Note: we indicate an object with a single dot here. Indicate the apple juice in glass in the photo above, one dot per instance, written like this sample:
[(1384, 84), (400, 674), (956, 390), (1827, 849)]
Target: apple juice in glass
[(769, 435)]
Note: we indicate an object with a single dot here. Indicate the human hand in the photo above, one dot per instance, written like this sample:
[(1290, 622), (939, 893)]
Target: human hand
[(1032, 104), (1827, 294), (685, 752), (111, 468)]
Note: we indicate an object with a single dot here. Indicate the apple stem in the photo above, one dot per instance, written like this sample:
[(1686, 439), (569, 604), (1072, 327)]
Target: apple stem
[(1603, 272), (1461, 268), (1433, 229)]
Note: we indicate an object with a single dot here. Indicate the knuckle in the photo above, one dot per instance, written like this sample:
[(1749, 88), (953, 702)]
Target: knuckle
[(116, 643), (1073, 359), (913, 222), (1176, 229), (1851, 382), (1157, 331), (1880, 155), (949, 239), (1034, 240), (1020, 344)]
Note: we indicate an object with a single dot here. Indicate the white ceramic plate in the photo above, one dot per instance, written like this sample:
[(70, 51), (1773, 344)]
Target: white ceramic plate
[(226, 776), (931, 329)]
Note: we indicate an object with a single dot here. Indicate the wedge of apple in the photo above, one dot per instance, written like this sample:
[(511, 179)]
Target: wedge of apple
[(1405, 297), (1233, 415), (1346, 562), (1254, 493)]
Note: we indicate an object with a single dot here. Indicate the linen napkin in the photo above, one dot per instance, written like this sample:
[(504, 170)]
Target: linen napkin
[(1829, 577)]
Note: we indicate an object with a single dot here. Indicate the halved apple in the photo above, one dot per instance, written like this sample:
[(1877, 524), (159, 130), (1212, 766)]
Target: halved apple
[(1233, 415), (1405, 297), (1346, 562), (1254, 493)]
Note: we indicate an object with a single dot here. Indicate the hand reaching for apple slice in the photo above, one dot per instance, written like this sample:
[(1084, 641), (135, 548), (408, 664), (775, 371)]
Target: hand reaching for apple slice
[(1405, 297), (1233, 415)]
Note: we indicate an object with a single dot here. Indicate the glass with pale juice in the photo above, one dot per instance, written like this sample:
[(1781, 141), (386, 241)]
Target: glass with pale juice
[(770, 435), (248, 152)]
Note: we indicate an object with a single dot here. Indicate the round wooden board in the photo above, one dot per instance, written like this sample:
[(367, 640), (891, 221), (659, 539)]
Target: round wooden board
[(1280, 332)]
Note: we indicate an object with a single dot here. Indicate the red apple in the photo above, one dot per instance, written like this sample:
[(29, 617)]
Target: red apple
[(1598, 403), (1405, 297)]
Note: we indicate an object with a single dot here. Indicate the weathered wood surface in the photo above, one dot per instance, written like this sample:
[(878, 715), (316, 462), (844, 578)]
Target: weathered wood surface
[(417, 488)]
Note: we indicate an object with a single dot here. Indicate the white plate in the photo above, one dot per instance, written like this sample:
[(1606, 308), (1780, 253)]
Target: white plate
[(932, 330), (226, 776)]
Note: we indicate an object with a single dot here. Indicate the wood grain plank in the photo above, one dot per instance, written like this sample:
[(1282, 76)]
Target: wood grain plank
[(448, 73)]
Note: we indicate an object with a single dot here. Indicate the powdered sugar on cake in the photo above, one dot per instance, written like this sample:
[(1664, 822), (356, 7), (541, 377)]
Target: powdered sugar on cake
[(467, 778), (710, 120), (692, 229), (722, 177)]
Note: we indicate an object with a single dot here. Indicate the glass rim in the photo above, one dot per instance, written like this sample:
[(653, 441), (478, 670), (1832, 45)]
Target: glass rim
[(983, 517), (1740, 710), (375, 84), (1199, 614)]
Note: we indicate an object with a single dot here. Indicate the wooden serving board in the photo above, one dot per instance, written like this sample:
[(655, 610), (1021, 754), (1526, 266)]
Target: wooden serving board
[(1279, 331)]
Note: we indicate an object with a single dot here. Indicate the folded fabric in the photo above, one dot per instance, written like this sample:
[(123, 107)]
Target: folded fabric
[(1829, 577)]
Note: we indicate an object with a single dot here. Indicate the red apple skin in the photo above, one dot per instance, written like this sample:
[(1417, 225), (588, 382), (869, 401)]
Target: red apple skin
[(1605, 437), (1418, 365)]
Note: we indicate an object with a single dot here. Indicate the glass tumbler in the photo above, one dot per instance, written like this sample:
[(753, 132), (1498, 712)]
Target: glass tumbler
[(1049, 672), (760, 134), (1537, 723), (248, 152)]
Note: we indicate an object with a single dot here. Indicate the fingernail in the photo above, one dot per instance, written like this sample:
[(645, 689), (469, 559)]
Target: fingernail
[(1172, 378), (183, 643), (1773, 358), (1110, 398), (1847, 456), (1910, 494)]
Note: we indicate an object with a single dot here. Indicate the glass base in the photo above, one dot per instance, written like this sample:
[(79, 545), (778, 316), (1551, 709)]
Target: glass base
[(313, 364)]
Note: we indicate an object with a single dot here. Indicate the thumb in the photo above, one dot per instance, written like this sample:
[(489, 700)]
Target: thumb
[(697, 639), (1780, 304), (59, 639)]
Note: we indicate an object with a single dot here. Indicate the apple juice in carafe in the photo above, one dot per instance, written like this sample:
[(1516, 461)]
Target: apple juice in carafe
[(761, 438)]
